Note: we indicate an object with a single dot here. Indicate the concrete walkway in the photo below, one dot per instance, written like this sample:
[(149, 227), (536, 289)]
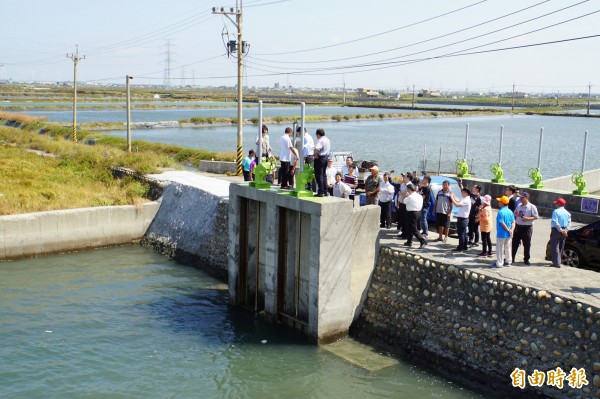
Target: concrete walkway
[(577, 284)]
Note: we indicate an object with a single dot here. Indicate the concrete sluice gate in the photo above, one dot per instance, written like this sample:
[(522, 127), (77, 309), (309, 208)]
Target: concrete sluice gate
[(305, 262)]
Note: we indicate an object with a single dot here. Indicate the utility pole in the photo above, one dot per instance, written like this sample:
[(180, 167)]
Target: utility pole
[(513, 98), (589, 96), (344, 99), (240, 48), (127, 79), (75, 57), (413, 97)]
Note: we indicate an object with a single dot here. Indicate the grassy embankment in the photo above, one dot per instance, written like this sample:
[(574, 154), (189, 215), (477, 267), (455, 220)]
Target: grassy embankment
[(43, 169), (211, 120)]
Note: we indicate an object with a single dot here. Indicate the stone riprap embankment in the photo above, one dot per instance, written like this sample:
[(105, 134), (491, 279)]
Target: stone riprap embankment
[(42, 233), (477, 327), (192, 222)]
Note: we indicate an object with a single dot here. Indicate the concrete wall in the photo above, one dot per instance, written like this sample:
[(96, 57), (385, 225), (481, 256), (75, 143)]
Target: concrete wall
[(542, 199), (41, 233), (191, 226), (219, 167), (312, 256), (478, 328), (564, 183)]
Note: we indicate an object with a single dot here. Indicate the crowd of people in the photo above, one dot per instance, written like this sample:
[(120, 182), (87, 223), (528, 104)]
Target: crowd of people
[(410, 198), (474, 217)]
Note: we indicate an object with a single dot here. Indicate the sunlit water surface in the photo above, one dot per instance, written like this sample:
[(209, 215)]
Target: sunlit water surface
[(128, 323)]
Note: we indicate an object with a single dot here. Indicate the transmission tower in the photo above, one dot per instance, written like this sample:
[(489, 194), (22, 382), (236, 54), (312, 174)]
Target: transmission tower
[(167, 74)]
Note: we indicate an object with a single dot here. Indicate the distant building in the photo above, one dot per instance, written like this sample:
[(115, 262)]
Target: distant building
[(429, 93), (367, 92), (276, 86)]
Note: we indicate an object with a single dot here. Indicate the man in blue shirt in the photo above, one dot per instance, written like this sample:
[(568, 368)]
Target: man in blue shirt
[(561, 220), (505, 225)]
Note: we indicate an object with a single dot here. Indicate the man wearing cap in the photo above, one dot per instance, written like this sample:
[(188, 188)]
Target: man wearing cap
[(525, 214), (373, 186), (561, 220), (505, 225)]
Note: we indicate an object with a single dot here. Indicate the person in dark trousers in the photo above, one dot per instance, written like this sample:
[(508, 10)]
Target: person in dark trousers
[(525, 214), (402, 216), (473, 220), (414, 204), (561, 220), (512, 201), (425, 192), (442, 209), (322, 149), (462, 217), (285, 155)]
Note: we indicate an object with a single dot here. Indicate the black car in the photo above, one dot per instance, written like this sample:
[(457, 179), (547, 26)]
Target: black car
[(582, 248)]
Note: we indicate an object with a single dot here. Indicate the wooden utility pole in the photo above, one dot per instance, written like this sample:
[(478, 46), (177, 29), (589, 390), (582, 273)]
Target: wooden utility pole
[(589, 96), (75, 57), (513, 99)]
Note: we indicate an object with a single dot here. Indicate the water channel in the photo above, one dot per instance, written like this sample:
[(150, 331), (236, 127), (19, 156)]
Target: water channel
[(401, 144), (125, 322)]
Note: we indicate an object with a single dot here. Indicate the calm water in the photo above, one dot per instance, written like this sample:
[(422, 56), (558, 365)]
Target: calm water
[(399, 144), (127, 323), (153, 115)]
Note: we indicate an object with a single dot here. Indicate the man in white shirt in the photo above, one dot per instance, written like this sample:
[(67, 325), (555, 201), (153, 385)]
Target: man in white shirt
[(308, 149), (386, 194), (462, 218), (349, 161), (340, 189), (414, 204), (286, 149), (322, 150)]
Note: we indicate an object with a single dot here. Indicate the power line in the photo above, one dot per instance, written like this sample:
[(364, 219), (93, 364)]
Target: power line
[(408, 45), (450, 55), (406, 62), (392, 60), (377, 34)]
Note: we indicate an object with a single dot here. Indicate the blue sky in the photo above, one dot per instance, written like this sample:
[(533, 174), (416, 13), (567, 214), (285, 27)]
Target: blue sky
[(310, 43)]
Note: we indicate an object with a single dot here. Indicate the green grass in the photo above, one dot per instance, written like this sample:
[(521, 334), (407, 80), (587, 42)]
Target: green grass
[(75, 176)]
